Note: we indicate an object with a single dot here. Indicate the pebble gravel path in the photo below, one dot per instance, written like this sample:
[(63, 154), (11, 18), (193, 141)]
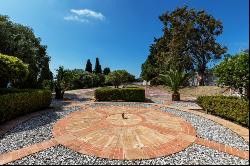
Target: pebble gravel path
[(210, 130), (32, 131), (194, 155)]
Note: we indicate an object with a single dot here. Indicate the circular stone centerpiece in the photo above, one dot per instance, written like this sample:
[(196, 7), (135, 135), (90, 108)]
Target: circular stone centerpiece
[(124, 119), (124, 132)]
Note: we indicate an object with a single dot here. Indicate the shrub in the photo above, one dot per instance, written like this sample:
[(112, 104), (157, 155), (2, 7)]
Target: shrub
[(12, 69), (234, 71), (48, 84), (11, 90), (230, 108), (23, 102), (123, 94)]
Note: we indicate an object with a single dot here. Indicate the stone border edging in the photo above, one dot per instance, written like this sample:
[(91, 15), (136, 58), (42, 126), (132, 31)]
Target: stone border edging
[(223, 148)]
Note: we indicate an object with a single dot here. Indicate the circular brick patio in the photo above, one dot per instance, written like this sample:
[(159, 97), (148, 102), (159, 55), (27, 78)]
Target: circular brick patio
[(124, 133)]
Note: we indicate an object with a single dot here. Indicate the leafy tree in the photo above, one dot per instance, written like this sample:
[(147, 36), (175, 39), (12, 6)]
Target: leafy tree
[(88, 66), (98, 80), (106, 71), (188, 41), (12, 69), (150, 69), (118, 77), (98, 67), (234, 71), (87, 80), (77, 79), (174, 79), (19, 41)]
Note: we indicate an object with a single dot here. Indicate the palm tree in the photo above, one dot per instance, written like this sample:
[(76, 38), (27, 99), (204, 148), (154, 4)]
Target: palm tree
[(174, 79)]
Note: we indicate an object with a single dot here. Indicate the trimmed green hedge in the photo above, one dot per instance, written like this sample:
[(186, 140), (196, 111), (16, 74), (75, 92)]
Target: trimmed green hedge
[(230, 108), (12, 90), (123, 94), (22, 102)]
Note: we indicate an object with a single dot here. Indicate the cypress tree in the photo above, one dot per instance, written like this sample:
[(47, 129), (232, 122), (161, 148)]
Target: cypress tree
[(98, 67), (88, 66), (106, 70)]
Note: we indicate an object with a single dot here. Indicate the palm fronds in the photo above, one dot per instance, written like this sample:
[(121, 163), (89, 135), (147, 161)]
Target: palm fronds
[(174, 79)]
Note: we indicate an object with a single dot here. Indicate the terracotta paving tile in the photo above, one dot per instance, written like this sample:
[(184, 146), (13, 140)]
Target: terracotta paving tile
[(223, 148)]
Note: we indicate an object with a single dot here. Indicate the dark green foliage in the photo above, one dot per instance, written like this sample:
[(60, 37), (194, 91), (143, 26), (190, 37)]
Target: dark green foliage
[(78, 79), (19, 41), (231, 108), (120, 94), (87, 81), (98, 80), (98, 67), (88, 66), (157, 81), (21, 102), (174, 79), (106, 71), (48, 84), (46, 74), (150, 68), (61, 84), (117, 77), (12, 69), (11, 90), (188, 42)]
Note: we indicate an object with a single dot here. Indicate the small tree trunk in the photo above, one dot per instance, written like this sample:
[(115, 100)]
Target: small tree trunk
[(202, 69), (202, 82), (247, 92), (176, 96), (59, 94), (3, 83)]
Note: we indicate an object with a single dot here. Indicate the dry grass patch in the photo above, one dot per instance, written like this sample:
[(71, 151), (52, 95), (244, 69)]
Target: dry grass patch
[(200, 91)]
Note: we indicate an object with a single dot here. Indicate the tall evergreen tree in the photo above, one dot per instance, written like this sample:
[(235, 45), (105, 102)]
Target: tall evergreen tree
[(188, 42), (88, 66), (106, 70), (98, 67)]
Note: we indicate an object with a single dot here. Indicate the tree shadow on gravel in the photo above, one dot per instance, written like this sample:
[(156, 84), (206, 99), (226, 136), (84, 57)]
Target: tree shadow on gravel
[(39, 121)]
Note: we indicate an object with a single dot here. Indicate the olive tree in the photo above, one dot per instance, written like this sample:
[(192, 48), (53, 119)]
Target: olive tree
[(118, 77)]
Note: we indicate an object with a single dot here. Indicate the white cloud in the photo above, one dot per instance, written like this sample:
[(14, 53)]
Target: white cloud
[(88, 13), (75, 18), (84, 15)]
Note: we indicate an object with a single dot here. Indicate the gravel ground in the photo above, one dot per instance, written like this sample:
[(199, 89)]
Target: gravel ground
[(208, 129), (184, 104), (194, 155), (32, 131)]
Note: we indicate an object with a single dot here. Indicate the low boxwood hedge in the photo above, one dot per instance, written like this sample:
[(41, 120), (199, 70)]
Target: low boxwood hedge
[(22, 102), (120, 94), (230, 108)]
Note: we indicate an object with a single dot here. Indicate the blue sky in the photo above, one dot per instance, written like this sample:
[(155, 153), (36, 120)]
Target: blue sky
[(119, 32)]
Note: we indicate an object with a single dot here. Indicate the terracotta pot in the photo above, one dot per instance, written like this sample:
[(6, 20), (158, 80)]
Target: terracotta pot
[(176, 96)]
